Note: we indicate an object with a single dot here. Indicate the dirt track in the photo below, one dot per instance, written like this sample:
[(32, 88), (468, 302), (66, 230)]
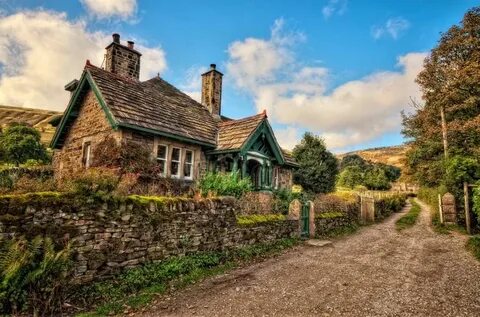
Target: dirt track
[(375, 272)]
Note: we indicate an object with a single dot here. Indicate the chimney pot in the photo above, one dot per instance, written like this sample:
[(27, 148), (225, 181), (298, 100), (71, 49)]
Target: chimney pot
[(213, 66), (116, 38), (130, 44)]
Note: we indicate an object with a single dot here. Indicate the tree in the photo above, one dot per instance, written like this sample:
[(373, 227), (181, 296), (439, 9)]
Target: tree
[(318, 167), (20, 142), (351, 176), (450, 82), (376, 179), (352, 160)]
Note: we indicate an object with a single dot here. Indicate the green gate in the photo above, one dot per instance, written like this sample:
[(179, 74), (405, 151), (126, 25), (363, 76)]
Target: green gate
[(305, 220)]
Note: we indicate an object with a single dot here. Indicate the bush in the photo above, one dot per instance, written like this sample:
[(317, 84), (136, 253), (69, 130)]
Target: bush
[(473, 244), (339, 202), (33, 276), (93, 182), (389, 204), (222, 184), (283, 197)]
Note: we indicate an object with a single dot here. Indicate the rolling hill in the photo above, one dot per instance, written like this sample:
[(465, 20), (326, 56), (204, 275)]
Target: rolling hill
[(392, 155), (42, 120)]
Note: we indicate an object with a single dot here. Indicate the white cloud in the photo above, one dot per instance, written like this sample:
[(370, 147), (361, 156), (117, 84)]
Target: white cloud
[(104, 9), (287, 137), (40, 51), (334, 7), (192, 82), (393, 28), (295, 95)]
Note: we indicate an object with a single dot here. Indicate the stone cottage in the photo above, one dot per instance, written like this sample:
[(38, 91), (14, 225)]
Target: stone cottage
[(186, 137)]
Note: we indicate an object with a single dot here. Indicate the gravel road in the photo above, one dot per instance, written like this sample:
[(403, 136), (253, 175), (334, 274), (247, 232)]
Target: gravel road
[(375, 272)]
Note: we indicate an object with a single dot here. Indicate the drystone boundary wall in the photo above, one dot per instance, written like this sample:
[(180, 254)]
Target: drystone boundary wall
[(108, 236)]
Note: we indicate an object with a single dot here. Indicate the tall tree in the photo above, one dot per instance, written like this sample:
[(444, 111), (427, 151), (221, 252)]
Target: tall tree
[(318, 167), (450, 82)]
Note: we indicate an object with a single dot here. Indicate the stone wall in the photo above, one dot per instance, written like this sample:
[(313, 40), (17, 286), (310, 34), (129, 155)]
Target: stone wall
[(285, 177), (324, 226), (108, 236), (92, 126)]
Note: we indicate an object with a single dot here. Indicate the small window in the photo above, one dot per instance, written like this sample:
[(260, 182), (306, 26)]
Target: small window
[(162, 151), (275, 177), (175, 163), (188, 165), (86, 156)]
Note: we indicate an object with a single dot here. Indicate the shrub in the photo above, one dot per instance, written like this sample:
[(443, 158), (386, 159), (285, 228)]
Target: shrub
[(33, 276), (473, 244), (389, 204), (222, 184), (345, 203), (93, 182), (283, 197)]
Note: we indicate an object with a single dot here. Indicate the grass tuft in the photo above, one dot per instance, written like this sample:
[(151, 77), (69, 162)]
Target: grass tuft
[(409, 219), (473, 245)]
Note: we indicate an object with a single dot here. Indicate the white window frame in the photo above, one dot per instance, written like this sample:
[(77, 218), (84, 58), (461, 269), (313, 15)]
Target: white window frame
[(179, 171), (185, 163), (276, 177), (86, 154), (163, 160)]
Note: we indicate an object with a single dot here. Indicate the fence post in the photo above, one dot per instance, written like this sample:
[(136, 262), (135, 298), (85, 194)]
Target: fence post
[(440, 210), (467, 207), (312, 219)]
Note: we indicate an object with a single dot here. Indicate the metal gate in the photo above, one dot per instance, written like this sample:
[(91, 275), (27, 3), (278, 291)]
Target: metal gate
[(305, 220)]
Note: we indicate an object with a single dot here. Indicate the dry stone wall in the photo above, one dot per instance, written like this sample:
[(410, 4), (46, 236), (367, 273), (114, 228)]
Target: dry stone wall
[(108, 236)]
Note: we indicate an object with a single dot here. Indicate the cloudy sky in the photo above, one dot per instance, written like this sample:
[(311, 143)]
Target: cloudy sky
[(341, 69)]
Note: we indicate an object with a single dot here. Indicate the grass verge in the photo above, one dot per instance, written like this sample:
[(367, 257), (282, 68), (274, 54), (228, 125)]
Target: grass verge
[(473, 245), (410, 218), (137, 287)]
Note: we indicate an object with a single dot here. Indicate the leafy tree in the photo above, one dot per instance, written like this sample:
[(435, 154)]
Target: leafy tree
[(377, 179), (352, 160), (450, 82), (318, 167), (20, 142), (351, 176)]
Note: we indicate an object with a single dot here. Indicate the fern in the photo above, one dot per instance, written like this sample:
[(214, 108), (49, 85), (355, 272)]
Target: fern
[(33, 275)]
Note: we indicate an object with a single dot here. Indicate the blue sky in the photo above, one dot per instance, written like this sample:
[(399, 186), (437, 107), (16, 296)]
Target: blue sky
[(342, 69)]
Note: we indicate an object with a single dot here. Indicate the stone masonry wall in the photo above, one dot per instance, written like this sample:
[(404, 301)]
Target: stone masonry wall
[(92, 126), (109, 236)]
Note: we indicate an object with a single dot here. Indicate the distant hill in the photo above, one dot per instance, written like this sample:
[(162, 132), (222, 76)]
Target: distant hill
[(43, 120), (392, 155)]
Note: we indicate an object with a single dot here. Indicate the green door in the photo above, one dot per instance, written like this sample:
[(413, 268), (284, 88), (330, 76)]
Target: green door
[(305, 220)]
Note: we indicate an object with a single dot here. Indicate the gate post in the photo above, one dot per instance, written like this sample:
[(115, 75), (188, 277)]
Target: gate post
[(311, 216), (294, 211)]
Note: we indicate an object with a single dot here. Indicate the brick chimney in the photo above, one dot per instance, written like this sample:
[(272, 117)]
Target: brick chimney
[(122, 60), (212, 91)]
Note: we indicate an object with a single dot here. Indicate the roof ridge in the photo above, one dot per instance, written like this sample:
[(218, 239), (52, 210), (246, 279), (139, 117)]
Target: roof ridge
[(236, 121)]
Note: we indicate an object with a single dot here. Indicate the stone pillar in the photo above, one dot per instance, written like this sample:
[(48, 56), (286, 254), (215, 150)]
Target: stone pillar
[(244, 167), (294, 210), (235, 164), (448, 209), (312, 219)]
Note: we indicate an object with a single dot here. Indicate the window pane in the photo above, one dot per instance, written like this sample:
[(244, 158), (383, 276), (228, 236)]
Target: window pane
[(162, 167), (176, 154), (187, 170), (188, 156), (174, 168), (162, 152)]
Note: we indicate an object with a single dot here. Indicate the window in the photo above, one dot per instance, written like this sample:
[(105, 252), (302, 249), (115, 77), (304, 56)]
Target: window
[(162, 151), (275, 177), (188, 165), (175, 163), (86, 155)]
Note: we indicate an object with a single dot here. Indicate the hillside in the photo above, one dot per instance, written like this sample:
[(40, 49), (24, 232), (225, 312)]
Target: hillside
[(40, 119), (392, 155)]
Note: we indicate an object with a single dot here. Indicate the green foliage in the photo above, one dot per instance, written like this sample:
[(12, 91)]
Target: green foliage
[(33, 276), (20, 143), (473, 245), (389, 204), (351, 176), (93, 182), (377, 179), (476, 201), (283, 197), (222, 184), (329, 215), (318, 167), (355, 171), (137, 286), (245, 220), (449, 82), (410, 218)]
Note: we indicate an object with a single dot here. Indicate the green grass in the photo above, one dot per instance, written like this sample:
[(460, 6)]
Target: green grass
[(409, 219), (137, 287), (473, 245)]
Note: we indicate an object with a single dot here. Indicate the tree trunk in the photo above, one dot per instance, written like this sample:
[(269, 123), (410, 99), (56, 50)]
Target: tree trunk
[(444, 131)]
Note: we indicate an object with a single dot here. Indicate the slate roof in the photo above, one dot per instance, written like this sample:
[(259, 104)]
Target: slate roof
[(154, 104), (232, 134)]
